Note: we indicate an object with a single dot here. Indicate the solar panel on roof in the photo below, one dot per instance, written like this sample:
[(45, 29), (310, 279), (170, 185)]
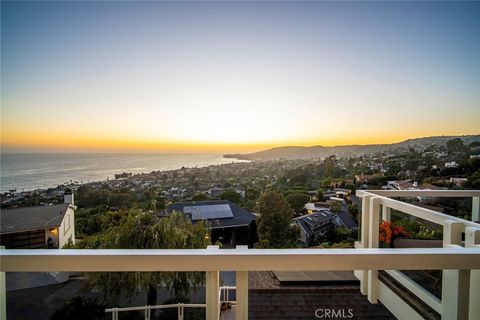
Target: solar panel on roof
[(208, 212)]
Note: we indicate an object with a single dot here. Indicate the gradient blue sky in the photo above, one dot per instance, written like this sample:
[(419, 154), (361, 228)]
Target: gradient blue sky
[(241, 76)]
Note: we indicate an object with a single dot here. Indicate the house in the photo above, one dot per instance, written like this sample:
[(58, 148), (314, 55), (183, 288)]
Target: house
[(335, 193), (451, 164), (240, 190), (312, 193), (428, 186), (458, 181), (215, 192), (344, 220), (124, 175), (401, 185), (342, 193), (365, 178), (328, 194), (319, 220), (174, 192), (227, 222), (312, 207), (315, 225), (49, 226), (266, 293)]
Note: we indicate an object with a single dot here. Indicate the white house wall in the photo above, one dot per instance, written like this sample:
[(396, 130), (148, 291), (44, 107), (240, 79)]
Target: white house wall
[(66, 230)]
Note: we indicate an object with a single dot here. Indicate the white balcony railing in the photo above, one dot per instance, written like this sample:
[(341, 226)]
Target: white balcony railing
[(223, 297), (147, 310), (459, 260), (224, 294), (460, 287)]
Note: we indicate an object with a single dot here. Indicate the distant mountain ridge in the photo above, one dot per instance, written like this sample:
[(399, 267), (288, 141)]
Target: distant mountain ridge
[(297, 152)]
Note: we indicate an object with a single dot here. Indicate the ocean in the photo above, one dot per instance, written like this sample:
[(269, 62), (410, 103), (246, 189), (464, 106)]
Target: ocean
[(30, 171)]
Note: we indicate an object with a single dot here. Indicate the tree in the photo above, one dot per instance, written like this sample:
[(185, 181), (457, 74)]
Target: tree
[(200, 197), (297, 201), (297, 177), (319, 195), (252, 194), (330, 167), (338, 235), (232, 196), (79, 308), (473, 181), (252, 234), (412, 162), (142, 230), (393, 167), (474, 144), (274, 224), (326, 183), (336, 206), (153, 205), (353, 210), (456, 145), (161, 202)]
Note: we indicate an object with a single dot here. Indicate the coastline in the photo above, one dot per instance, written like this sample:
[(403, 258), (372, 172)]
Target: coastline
[(27, 172)]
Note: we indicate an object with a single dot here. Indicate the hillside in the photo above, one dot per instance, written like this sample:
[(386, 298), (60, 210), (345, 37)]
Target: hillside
[(296, 152)]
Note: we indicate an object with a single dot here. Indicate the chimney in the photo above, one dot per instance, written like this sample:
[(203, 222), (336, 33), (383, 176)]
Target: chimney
[(68, 196)]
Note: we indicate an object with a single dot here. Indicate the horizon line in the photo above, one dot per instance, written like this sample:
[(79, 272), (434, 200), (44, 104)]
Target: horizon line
[(255, 147)]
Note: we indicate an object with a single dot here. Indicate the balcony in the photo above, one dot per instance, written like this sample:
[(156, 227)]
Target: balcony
[(376, 268)]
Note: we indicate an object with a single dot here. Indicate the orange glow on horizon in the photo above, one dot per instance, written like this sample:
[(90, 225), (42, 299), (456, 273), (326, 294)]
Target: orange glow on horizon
[(77, 143)]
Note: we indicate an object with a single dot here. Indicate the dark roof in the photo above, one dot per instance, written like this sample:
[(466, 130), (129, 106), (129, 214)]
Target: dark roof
[(31, 218), (317, 217), (270, 299), (209, 212), (241, 216), (347, 221), (313, 222), (305, 227), (315, 276), (302, 303)]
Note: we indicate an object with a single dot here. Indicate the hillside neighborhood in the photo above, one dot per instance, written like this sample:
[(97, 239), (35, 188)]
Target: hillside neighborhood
[(313, 202)]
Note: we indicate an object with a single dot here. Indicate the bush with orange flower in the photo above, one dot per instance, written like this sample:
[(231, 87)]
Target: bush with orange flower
[(389, 232)]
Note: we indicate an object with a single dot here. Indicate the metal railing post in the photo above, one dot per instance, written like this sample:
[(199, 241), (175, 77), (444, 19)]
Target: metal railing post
[(374, 223), (472, 240), (241, 292), (3, 294), (180, 311), (212, 301), (147, 312), (212, 292), (241, 306), (475, 209), (386, 213), (365, 216), (455, 283)]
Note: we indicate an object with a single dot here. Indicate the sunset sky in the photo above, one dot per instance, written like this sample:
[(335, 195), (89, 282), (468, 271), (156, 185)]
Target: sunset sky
[(235, 77)]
